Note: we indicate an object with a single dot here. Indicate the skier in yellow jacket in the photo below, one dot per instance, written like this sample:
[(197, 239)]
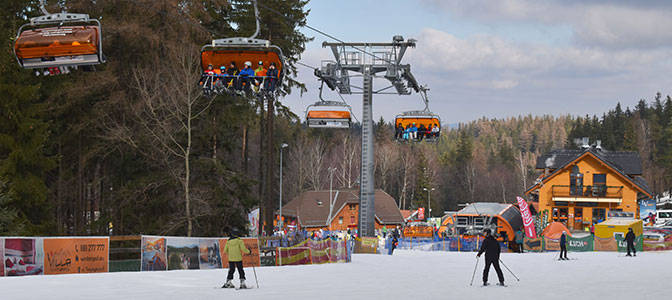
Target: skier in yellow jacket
[(234, 248)]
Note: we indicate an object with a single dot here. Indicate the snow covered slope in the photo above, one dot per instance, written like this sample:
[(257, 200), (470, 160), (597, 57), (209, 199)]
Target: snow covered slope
[(406, 275)]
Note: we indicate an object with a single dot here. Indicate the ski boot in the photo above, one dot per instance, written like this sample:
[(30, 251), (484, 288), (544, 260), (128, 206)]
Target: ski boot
[(228, 285), (242, 284), (485, 284), (501, 284)]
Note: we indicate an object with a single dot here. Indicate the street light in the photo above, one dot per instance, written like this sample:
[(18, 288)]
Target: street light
[(331, 185), (429, 202), (280, 213)]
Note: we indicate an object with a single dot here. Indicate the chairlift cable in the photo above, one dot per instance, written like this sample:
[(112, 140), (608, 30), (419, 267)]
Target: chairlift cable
[(323, 33)]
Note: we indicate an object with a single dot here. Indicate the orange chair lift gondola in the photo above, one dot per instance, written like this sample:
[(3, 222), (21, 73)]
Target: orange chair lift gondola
[(221, 52), (328, 114), (39, 45), (419, 117)]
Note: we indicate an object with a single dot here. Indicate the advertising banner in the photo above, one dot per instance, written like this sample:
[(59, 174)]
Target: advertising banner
[(209, 256), (535, 245), (647, 211), (623, 245), (551, 244), (605, 244), (2, 257), (469, 244), (154, 253), (23, 256), (298, 254), (182, 253), (528, 220), (76, 255), (248, 260), (421, 213), (253, 222), (580, 244), (657, 240)]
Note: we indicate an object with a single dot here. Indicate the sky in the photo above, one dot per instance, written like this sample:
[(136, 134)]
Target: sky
[(498, 59)]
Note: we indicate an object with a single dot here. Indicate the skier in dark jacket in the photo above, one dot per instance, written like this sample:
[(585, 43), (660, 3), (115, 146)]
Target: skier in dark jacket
[(491, 249), (563, 246), (630, 240)]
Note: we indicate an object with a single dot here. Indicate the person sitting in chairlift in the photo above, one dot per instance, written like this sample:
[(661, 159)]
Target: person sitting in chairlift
[(246, 75), (399, 131), (271, 77), (259, 74), (232, 71), (414, 131), (435, 131), (422, 132)]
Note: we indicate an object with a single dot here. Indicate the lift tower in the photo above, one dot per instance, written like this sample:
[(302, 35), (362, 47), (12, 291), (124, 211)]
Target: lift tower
[(367, 60)]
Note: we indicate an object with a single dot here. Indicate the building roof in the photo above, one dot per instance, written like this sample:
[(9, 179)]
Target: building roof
[(620, 221), (628, 164), (483, 208), (507, 211), (311, 208)]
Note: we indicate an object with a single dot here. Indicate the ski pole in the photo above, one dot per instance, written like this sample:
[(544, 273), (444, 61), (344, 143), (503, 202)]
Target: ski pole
[(514, 275), (474, 274), (254, 270)]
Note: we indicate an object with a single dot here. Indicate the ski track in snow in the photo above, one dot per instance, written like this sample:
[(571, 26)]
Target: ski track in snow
[(406, 275)]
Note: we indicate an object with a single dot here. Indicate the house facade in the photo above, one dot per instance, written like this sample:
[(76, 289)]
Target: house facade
[(311, 210), (578, 187)]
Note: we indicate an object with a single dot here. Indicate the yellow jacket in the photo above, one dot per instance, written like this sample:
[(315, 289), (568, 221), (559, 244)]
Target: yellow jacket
[(235, 248)]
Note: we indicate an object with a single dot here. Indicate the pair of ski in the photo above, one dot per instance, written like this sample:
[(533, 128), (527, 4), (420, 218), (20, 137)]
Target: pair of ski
[(236, 288), (498, 284), (568, 259)]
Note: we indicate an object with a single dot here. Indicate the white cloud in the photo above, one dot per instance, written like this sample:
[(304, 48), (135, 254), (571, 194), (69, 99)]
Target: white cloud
[(613, 24)]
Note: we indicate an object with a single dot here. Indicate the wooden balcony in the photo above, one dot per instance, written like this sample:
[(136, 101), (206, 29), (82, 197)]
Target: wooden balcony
[(587, 193)]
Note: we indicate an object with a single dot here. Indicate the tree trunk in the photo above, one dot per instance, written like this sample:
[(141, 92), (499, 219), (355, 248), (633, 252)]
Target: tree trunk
[(187, 175)]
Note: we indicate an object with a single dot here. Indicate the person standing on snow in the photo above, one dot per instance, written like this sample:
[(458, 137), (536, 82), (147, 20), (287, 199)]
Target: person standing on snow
[(520, 238), (234, 248), (492, 250), (630, 240), (563, 245)]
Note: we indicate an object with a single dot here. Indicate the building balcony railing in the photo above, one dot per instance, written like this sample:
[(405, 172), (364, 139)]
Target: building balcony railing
[(596, 193)]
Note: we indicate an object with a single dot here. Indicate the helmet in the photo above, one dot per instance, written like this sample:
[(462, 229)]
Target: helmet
[(261, 62), (248, 63), (486, 231), (222, 68)]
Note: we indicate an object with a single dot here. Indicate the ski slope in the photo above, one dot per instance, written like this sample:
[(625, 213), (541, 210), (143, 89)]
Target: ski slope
[(406, 275)]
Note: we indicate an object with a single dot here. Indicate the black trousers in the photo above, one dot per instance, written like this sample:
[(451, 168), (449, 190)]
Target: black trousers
[(233, 265), (486, 271), (563, 249), (632, 246), (520, 247)]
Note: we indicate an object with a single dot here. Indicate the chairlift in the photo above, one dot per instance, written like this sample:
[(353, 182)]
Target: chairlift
[(328, 114), (222, 52), (39, 45), (421, 119)]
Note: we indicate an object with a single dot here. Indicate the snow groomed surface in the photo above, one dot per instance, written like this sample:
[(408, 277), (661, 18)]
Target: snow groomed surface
[(406, 275)]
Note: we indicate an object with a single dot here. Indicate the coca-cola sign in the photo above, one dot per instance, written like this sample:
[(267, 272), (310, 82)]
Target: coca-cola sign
[(528, 220)]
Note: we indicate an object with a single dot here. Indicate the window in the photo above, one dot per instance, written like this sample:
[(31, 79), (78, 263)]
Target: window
[(353, 207), (340, 220), (599, 214), (352, 219), (576, 181), (599, 185)]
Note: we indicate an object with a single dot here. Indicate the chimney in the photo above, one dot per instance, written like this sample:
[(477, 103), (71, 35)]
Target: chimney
[(598, 144), (585, 143)]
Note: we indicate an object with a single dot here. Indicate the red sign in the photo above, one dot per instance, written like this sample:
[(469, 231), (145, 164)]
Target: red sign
[(421, 213), (528, 220)]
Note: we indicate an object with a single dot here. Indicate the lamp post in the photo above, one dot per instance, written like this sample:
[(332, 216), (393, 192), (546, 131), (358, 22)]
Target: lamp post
[(331, 203), (429, 202), (280, 212)]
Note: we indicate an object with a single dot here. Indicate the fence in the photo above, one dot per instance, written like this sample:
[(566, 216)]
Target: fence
[(21, 256)]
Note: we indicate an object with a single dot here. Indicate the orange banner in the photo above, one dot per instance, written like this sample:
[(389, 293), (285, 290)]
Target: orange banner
[(251, 259), (76, 255), (607, 244)]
